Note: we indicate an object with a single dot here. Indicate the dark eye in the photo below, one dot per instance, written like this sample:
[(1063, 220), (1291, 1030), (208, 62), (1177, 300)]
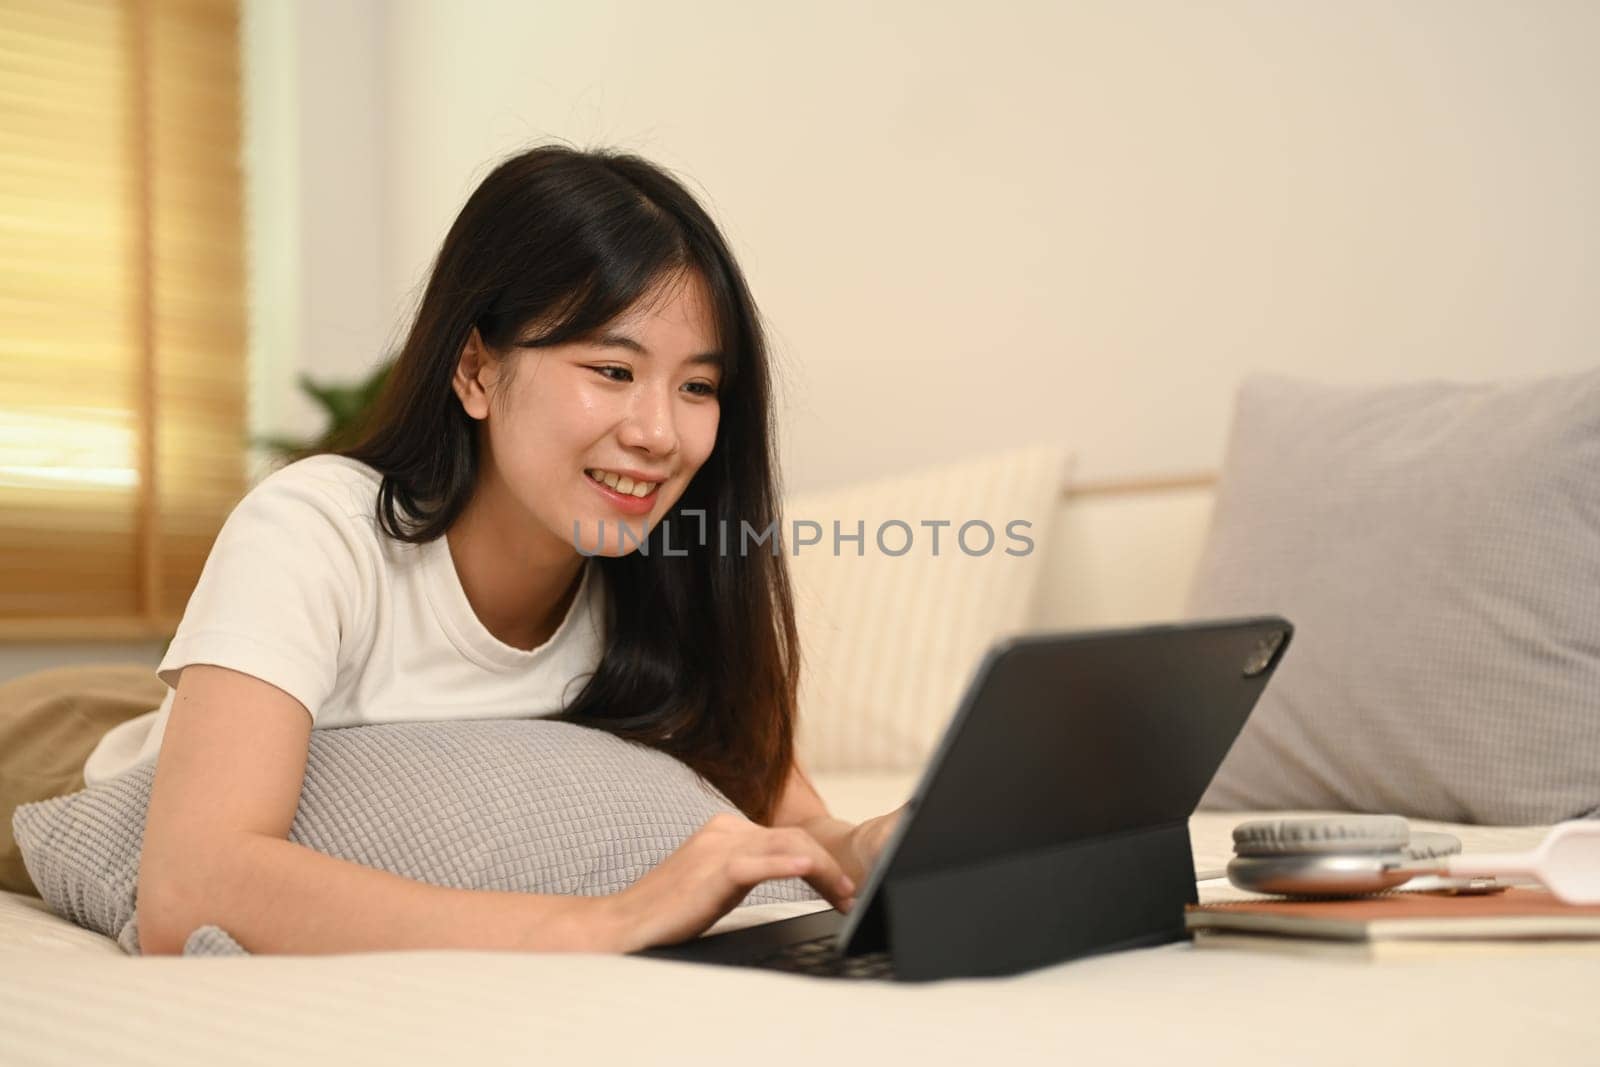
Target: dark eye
[(703, 388), (627, 375)]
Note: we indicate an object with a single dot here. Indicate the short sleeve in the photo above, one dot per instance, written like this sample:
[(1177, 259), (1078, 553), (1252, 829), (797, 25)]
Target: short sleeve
[(281, 587)]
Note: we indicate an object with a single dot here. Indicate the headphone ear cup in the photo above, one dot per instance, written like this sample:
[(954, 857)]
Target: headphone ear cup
[(1322, 836), (1430, 844)]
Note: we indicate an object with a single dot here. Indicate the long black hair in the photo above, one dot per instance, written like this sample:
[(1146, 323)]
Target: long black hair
[(702, 657)]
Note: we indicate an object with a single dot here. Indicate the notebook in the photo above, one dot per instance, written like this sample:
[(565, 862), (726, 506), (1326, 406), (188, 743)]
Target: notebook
[(1519, 919)]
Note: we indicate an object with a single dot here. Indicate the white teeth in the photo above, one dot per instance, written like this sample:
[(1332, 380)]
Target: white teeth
[(622, 484)]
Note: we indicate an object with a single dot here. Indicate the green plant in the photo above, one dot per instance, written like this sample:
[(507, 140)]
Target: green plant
[(346, 405)]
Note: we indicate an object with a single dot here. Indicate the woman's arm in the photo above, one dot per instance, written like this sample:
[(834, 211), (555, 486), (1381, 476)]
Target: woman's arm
[(216, 850), (274, 896)]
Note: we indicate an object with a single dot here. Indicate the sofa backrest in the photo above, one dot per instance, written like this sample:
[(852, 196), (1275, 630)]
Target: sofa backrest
[(1122, 553)]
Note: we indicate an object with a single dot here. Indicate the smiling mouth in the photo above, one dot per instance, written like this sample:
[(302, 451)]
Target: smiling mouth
[(619, 483)]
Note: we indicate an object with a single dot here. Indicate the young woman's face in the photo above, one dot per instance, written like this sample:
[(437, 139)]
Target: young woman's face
[(589, 437)]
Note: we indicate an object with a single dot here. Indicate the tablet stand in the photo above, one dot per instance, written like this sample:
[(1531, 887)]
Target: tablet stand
[(1121, 890)]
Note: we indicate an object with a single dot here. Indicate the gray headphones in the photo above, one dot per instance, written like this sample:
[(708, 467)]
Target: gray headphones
[(1343, 856), (1354, 854)]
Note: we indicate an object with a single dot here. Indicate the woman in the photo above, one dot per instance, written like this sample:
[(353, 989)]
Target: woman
[(586, 374)]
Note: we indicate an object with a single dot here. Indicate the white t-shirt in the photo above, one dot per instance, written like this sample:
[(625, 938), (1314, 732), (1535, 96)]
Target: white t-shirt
[(303, 590)]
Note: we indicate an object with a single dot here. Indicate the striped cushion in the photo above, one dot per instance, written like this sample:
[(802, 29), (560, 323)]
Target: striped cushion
[(889, 641)]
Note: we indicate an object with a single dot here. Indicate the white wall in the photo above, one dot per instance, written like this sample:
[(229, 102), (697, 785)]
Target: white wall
[(976, 225), (314, 131)]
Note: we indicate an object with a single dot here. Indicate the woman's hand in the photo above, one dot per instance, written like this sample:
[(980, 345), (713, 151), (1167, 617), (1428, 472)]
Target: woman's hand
[(710, 873), (867, 839)]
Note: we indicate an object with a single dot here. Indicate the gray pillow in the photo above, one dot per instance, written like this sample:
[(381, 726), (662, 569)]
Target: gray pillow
[(1437, 546), (521, 805)]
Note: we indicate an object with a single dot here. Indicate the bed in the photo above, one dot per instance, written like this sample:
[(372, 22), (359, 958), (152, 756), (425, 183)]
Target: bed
[(68, 996)]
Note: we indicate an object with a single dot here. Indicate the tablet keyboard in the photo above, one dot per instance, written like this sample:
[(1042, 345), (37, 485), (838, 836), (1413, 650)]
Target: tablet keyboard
[(820, 956)]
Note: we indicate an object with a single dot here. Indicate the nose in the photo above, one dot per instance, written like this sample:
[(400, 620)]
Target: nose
[(649, 426)]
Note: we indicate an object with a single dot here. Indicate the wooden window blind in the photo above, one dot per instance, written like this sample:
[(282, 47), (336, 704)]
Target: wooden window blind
[(123, 369)]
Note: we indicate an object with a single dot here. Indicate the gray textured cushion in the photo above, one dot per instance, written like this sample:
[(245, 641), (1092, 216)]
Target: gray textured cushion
[(517, 805), (1437, 547)]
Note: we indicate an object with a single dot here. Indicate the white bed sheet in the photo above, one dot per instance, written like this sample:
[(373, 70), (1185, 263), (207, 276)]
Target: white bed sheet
[(71, 997)]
